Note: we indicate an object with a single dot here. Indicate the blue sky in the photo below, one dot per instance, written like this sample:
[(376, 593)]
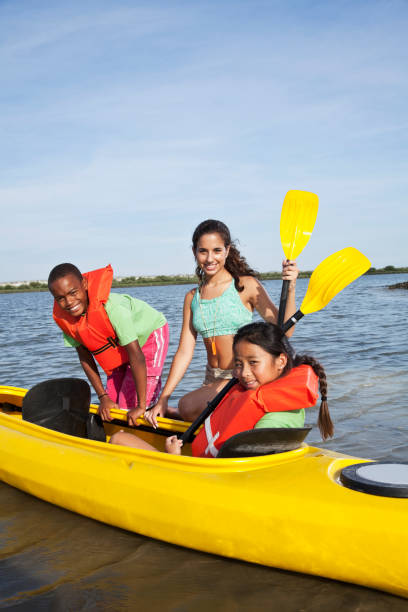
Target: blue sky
[(125, 124)]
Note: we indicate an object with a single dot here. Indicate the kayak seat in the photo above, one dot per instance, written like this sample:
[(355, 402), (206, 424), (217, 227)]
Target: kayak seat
[(266, 441), (62, 404)]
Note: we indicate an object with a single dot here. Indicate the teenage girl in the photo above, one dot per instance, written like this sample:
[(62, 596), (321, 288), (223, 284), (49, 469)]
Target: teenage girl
[(273, 391), (227, 294)]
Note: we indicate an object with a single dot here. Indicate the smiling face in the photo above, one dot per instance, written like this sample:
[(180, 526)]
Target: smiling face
[(211, 253), (70, 293), (253, 366)]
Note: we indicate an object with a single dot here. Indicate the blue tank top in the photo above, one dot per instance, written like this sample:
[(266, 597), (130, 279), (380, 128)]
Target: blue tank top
[(220, 316)]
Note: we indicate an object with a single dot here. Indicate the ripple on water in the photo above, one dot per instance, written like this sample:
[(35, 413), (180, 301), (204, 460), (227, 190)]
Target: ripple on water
[(53, 560)]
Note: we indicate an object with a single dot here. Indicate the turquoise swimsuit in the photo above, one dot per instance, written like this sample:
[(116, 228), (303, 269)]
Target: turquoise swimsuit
[(220, 316)]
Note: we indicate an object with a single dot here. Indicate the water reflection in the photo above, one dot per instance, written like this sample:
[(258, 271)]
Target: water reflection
[(54, 560)]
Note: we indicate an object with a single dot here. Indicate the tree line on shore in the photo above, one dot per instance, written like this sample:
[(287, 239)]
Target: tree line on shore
[(162, 279)]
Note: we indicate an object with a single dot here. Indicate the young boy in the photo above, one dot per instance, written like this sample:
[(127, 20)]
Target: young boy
[(127, 337)]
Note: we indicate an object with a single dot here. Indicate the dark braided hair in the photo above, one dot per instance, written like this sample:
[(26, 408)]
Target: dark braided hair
[(272, 340), (235, 263)]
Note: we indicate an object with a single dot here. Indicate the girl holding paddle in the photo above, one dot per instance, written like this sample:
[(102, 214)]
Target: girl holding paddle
[(273, 391), (227, 294)]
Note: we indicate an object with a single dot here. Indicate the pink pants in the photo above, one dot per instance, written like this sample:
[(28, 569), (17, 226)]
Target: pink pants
[(120, 385)]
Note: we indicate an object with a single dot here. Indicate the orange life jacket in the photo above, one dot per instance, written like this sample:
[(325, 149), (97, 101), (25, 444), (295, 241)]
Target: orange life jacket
[(93, 329), (241, 409)]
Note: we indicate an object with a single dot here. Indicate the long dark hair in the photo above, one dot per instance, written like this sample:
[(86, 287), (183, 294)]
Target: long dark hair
[(235, 263), (272, 340)]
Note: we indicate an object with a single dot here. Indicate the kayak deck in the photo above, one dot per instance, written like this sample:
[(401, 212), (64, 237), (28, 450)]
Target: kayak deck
[(287, 510)]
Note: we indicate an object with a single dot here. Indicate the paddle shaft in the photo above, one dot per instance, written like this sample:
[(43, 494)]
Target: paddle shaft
[(282, 303), (187, 436), (292, 321)]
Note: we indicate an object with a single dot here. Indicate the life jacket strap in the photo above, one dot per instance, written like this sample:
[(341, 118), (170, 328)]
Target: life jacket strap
[(211, 448), (112, 343)]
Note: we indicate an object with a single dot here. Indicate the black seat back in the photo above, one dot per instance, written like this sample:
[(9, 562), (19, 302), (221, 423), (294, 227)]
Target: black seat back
[(263, 441), (62, 404)]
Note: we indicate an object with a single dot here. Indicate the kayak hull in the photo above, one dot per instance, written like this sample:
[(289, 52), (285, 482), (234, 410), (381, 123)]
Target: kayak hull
[(287, 510)]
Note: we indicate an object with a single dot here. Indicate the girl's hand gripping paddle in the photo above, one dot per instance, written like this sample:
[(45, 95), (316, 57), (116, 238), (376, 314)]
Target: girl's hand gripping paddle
[(298, 216), (328, 279)]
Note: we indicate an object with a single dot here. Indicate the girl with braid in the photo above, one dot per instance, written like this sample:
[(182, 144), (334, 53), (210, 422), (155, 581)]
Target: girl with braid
[(227, 294), (262, 356), (273, 390)]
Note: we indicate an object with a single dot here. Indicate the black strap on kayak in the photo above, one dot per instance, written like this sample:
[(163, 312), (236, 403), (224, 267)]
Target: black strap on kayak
[(188, 435), (8, 407)]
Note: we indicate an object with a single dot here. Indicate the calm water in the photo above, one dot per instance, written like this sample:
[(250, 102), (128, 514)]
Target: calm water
[(51, 559)]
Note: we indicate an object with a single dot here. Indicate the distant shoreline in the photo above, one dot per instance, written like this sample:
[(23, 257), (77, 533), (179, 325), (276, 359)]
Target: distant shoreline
[(160, 280)]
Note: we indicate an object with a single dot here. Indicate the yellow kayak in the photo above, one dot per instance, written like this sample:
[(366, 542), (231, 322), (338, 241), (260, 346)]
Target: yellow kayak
[(287, 510)]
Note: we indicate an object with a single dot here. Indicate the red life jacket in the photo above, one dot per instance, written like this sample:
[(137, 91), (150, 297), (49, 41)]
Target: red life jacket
[(241, 408), (94, 330)]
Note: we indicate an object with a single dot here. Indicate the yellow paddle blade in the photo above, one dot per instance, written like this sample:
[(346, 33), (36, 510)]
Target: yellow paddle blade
[(298, 216), (331, 276)]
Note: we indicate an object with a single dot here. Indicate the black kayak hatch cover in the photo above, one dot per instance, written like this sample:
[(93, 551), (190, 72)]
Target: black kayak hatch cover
[(386, 478)]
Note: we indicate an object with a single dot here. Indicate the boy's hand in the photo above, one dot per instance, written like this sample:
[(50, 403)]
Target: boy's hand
[(133, 415), (105, 406)]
